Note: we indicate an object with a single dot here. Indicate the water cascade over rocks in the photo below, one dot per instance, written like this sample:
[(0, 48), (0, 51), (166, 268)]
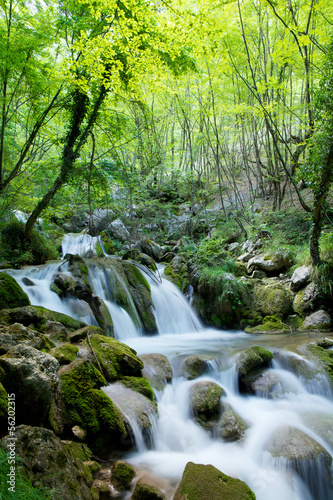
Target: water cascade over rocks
[(276, 437)]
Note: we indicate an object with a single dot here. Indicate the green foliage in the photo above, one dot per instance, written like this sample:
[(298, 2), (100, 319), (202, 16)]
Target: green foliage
[(322, 275), (292, 225), (24, 489), (222, 284), (19, 250)]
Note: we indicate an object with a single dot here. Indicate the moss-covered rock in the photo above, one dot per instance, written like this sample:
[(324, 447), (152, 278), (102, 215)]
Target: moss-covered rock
[(272, 299), (231, 426), (115, 358), (253, 358), (32, 376), (205, 400), (157, 370), (147, 261), (307, 300), (65, 353), (11, 294), (205, 482), (15, 334), (195, 366), (82, 333), (176, 271), (323, 357), (87, 406), (319, 320), (140, 385), (122, 475), (53, 463), (146, 491), (270, 324)]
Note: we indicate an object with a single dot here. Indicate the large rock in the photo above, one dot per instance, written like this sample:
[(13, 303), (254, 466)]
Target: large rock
[(118, 230), (122, 474), (11, 294), (253, 358), (205, 400), (205, 482), (307, 300), (231, 426), (270, 264), (32, 376), (300, 278), (320, 320), (272, 299), (152, 249), (15, 334), (195, 366), (115, 358), (146, 491), (52, 463), (322, 354), (101, 218), (86, 406), (157, 370), (306, 456)]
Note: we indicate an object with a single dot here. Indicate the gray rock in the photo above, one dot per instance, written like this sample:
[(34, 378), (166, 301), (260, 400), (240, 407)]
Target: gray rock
[(248, 246), (300, 278), (306, 300), (231, 426), (157, 370), (205, 399), (245, 257), (320, 320), (263, 262), (101, 218), (195, 366), (32, 376), (118, 230), (15, 334), (152, 249)]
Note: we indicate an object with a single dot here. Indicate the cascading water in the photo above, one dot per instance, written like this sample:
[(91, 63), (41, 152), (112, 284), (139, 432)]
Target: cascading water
[(298, 398)]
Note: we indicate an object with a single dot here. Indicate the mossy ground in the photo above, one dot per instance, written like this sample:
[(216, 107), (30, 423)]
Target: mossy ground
[(11, 294), (269, 324)]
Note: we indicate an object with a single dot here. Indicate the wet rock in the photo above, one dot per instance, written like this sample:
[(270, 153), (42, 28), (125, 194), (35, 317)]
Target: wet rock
[(157, 370), (195, 366), (253, 358), (152, 249), (139, 384), (306, 456), (118, 230), (11, 294), (176, 271), (27, 281), (82, 333), (146, 491), (32, 376), (101, 490), (323, 357), (205, 400), (230, 427), (147, 261), (320, 320), (15, 334), (55, 330), (306, 300), (115, 358), (300, 278), (205, 482), (65, 353), (262, 384), (55, 464), (122, 475)]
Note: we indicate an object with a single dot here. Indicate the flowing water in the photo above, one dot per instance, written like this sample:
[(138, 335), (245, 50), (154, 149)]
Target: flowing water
[(302, 396)]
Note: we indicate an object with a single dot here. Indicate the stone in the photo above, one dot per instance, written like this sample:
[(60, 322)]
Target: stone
[(82, 333), (65, 353), (101, 218), (11, 294), (300, 278), (319, 320), (157, 370), (15, 334), (32, 376), (263, 384), (253, 358), (195, 366), (272, 299), (205, 400), (122, 475), (101, 490), (306, 300), (245, 257), (53, 463), (270, 263), (146, 491), (205, 482), (230, 427), (118, 230), (154, 250)]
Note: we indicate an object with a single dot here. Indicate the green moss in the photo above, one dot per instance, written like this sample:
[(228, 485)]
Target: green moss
[(109, 246), (66, 353), (269, 324), (11, 294), (144, 491), (3, 405), (99, 250), (87, 406), (205, 482), (272, 300), (122, 475), (140, 385), (116, 359), (252, 358), (324, 358)]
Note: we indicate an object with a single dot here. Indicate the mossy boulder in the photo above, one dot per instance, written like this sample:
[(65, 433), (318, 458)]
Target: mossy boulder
[(272, 299), (253, 358), (147, 261), (53, 463), (32, 376), (205, 482), (11, 294), (152, 249), (176, 271), (307, 300), (157, 370), (319, 320), (231, 426), (82, 333), (205, 400), (195, 366), (146, 491), (12, 335), (65, 353), (87, 406), (140, 385), (122, 475), (116, 359), (322, 356), (270, 324)]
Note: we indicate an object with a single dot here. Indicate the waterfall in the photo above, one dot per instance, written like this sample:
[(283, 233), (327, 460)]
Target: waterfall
[(301, 396)]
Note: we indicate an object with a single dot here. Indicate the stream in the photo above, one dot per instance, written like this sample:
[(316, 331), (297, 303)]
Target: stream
[(303, 402)]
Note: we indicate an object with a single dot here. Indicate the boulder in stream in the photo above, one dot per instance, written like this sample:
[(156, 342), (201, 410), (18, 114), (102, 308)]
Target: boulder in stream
[(11, 294), (157, 370), (230, 426), (205, 400), (146, 491), (319, 320), (122, 474), (195, 366), (205, 482)]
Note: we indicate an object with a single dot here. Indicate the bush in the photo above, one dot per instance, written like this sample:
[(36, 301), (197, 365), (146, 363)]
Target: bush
[(19, 250)]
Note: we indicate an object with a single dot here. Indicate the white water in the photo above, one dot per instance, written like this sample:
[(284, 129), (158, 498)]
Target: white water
[(300, 401), (80, 244)]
